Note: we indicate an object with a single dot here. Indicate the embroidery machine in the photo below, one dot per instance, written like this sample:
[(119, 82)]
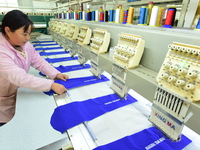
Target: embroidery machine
[(100, 41), (83, 40), (73, 32), (84, 35), (178, 86), (62, 36), (127, 55), (99, 45)]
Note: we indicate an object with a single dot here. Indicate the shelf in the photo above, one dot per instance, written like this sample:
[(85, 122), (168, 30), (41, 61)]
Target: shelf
[(146, 2)]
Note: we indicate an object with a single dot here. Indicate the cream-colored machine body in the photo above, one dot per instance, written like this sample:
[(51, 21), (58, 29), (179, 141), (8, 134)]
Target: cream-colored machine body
[(100, 41), (58, 27), (84, 35), (180, 71), (129, 50), (54, 25), (64, 28), (73, 32)]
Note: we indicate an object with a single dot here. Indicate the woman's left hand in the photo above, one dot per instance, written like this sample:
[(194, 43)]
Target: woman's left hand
[(62, 76)]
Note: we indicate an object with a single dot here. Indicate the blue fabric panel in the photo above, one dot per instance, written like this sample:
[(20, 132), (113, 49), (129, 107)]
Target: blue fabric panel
[(74, 113), (48, 48), (148, 139), (42, 41), (72, 68), (52, 53), (37, 45), (55, 60), (78, 82), (62, 68), (43, 45)]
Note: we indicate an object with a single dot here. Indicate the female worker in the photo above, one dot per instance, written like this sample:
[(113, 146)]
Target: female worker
[(16, 57)]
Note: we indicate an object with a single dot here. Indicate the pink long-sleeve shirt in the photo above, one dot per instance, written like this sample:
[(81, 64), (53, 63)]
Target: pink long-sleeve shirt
[(14, 73)]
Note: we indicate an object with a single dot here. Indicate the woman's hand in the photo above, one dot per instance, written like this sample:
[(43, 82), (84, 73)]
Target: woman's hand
[(58, 88), (62, 76)]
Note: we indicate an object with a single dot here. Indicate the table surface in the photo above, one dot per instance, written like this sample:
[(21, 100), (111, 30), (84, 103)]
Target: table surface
[(30, 127)]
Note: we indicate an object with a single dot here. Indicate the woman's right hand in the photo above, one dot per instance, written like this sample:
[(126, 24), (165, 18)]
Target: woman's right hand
[(58, 88)]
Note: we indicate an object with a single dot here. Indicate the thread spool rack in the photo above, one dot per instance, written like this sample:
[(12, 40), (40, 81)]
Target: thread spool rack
[(100, 41), (180, 71), (129, 50), (84, 35), (73, 32)]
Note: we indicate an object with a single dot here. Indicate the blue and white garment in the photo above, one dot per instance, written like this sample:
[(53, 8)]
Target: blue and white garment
[(55, 60), (62, 68), (78, 82), (53, 53), (45, 44), (74, 113), (47, 48), (42, 41), (148, 139)]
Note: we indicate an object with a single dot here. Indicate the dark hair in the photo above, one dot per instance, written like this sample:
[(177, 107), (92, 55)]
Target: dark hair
[(16, 19)]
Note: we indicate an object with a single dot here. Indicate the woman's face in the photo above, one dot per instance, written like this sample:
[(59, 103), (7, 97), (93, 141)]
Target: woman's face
[(18, 37)]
